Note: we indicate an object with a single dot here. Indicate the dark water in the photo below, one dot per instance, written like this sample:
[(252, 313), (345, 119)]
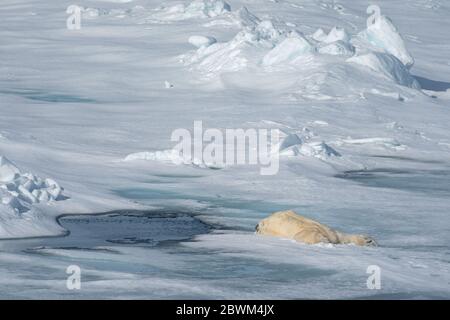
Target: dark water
[(435, 182), (43, 96), (125, 228)]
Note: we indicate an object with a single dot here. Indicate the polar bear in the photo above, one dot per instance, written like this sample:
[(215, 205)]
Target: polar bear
[(288, 224)]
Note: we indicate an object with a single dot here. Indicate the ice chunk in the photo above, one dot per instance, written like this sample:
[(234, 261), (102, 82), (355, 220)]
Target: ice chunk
[(170, 156), (51, 183), (26, 195), (384, 36), (289, 141), (209, 8), (246, 19), (248, 46), (319, 35), (54, 192), (221, 57), (89, 13), (387, 65), (337, 48), (29, 184), (201, 41), (266, 30), (43, 196), (19, 191), (290, 48), (302, 145), (317, 149), (337, 34), (168, 85), (196, 9), (163, 156), (8, 171)]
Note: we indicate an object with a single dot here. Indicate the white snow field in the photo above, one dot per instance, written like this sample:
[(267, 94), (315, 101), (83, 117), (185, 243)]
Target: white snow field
[(86, 118)]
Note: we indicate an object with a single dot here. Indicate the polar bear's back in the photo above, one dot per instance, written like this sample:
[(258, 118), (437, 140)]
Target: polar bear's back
[(290, 225)]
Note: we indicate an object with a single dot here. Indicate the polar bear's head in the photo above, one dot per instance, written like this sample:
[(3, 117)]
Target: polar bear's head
[(362, 240)]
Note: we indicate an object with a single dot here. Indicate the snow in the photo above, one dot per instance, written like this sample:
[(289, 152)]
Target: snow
[(365, 149)]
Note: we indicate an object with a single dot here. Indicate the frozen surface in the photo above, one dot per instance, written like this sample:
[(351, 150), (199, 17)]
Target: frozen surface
[(364, 114)]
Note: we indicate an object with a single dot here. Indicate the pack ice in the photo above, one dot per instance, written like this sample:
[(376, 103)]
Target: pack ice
[(19, 192), (195, 9), (263, 46)]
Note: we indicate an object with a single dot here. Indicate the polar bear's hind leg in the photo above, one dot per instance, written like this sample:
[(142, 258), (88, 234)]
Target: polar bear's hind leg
[(311, 236)]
